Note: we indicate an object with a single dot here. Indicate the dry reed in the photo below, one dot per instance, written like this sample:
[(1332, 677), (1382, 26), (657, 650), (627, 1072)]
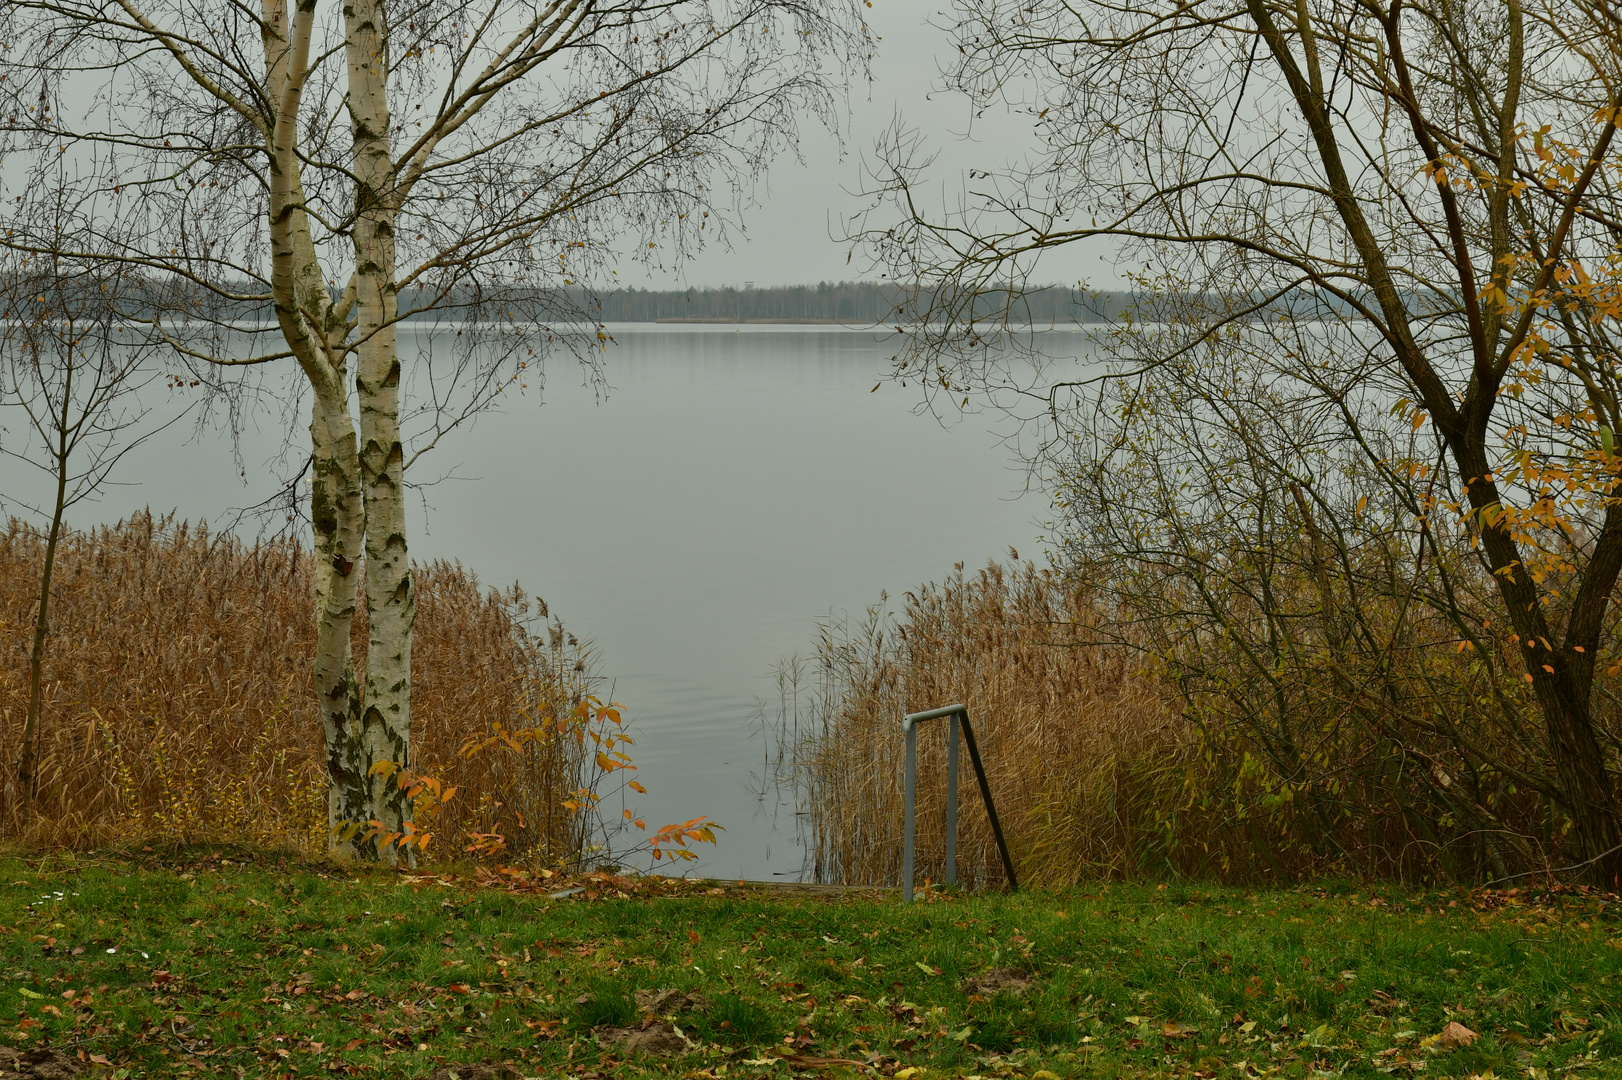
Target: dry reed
[(1149, 739), (178, 697), (1082, 751)]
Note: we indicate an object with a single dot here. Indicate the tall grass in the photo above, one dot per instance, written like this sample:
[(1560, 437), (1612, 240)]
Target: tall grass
[(178, 694), (1084, 755)]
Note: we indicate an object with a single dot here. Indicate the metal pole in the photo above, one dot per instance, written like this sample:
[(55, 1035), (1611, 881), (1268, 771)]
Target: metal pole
[(951, 800), (907, 800), (985, 793)]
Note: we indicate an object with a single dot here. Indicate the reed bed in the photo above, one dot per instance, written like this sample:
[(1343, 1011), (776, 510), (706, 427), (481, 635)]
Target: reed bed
[(1083, 752), (1141, 734), (178, 697)]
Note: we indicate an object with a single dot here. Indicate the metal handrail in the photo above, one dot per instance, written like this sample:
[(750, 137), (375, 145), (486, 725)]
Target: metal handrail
[(909, 725)]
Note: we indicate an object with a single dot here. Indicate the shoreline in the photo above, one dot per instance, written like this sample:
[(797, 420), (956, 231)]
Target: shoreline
[(735, 322)]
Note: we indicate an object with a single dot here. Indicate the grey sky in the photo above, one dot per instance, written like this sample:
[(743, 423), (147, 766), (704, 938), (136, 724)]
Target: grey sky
[(790, 234)]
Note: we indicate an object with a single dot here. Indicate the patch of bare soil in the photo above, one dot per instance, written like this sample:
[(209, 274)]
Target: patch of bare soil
[(655, 1037), (670, 1002), (37, 1064), (1000, 980), (476, 1072)]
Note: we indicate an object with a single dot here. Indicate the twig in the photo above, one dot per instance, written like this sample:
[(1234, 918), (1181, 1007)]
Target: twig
[(1555, 870)]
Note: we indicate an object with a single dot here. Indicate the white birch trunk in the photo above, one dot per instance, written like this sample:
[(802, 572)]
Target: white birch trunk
[(385, 730), (315, 329), (337, 515)]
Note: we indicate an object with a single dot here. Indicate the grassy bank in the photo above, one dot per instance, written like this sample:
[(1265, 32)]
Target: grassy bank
[(222, 965)]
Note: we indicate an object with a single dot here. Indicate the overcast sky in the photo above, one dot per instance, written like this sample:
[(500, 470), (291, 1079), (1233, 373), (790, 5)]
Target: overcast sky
[(791, 233)]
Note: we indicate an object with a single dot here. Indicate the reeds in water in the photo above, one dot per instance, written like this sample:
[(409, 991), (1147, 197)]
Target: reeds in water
[(1082, 751)]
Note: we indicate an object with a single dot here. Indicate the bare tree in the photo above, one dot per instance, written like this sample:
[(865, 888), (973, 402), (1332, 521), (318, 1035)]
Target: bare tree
[(74, 373), (458, 166), (1430, 185)]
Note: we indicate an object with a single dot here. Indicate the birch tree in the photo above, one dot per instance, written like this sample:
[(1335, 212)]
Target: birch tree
[(1431, 185), (317, 174)]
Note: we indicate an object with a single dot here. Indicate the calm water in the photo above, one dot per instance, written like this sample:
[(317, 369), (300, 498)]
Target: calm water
[(736, 484)]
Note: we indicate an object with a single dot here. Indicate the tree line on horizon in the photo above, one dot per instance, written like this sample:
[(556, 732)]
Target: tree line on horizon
[(842, 301)]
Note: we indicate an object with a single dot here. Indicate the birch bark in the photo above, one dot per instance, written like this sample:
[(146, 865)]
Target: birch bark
[(315, 329), (385, 727)]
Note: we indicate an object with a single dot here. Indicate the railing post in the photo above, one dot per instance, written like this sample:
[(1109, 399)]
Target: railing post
[(908, 796), (958, 726), (951, 799)]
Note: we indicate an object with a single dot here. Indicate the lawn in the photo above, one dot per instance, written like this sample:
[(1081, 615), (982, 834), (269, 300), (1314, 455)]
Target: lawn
[(240, 964)]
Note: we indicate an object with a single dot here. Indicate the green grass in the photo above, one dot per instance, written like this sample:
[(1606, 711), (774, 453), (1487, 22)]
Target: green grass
[(200, 964)]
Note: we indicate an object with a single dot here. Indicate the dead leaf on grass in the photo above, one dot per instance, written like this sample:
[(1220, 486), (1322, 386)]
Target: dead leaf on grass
[(807, 1061), (1451, 1037)]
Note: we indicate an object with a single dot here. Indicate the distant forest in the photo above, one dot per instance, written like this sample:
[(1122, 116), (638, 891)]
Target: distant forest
[(843, 302), (852, 303)]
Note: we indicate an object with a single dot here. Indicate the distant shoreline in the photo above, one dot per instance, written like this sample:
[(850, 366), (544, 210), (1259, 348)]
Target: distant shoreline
[(734, 322)]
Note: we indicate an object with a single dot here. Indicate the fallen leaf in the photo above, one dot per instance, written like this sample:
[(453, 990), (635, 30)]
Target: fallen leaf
[(806, 1061), (1451, 1037)]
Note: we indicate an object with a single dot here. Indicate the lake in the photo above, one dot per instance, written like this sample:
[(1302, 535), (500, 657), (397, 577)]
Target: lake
[(736, 484)]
